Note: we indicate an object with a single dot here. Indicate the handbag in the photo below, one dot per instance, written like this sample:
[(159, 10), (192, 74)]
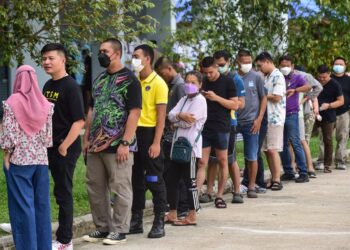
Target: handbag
[(181, 151)]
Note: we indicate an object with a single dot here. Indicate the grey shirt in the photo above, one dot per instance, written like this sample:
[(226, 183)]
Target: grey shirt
[(254, 92), (176, 92), (316, 88)]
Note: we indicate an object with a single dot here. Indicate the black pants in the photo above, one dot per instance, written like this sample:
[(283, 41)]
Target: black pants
[(186, 172), (147, 173), (62, 171), (182, 205), (260, 177)]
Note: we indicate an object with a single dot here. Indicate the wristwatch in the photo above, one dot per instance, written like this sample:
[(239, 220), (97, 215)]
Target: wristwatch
[(124, 143)]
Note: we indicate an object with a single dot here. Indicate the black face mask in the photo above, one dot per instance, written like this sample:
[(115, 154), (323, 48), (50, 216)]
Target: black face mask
[(104, 60)]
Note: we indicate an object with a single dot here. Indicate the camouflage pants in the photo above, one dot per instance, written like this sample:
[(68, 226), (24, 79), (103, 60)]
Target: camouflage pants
[(309, 120)]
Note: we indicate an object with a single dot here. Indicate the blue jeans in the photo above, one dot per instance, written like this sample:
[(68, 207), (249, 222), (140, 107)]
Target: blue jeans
[(291, 135), (29, 206), (260, 178), (251, 142)]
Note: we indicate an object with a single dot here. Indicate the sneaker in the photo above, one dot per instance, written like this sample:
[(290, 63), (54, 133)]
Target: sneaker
[(237, 198), (6, 227), (340, 166), (260, 190), (311, 174), (95, 236), (252, 194), (243, 189), (114, 238), (319, 166), (288, 177), (205, 198), (56, 245), (302, 178)]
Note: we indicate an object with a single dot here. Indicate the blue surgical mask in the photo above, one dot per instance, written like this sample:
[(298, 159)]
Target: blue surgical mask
[(338, 69)]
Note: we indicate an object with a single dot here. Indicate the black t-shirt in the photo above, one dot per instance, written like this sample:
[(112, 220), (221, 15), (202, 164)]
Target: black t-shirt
[(114, 95), (329, 94), (344, 82), (219, 119), (66, 95)]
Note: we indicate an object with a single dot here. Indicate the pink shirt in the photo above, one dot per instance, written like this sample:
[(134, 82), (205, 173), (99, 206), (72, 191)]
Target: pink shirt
[(26, 150)]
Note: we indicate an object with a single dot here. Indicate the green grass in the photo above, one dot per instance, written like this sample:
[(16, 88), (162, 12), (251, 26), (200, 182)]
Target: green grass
[(81, 203)]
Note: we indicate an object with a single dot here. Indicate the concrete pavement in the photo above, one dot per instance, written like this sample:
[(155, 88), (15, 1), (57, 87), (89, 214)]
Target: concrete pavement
[(314, 215)]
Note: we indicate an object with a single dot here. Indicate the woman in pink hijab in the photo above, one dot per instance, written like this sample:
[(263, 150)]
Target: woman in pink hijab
[(27, 132)]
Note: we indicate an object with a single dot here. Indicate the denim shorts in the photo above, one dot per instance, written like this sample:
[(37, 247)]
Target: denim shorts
[(251, 142), (231, 150), (217, 140)]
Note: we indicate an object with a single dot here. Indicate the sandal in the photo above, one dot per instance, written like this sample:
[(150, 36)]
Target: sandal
[(220, 203), (170, 218), (205, 198), (185, 222), (327, 170), (276, 186)]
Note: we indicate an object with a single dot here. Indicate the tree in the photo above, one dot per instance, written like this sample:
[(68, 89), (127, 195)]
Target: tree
[(25, 25), (319, 33), (209, 25)]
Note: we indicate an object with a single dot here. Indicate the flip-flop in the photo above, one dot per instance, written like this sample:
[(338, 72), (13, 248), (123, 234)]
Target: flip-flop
[(220, 203)]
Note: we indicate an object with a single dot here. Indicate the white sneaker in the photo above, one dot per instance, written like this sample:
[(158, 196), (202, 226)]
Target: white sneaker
[(340, 166), (6, 227), (56, 245), (319, 166), (243, 189)]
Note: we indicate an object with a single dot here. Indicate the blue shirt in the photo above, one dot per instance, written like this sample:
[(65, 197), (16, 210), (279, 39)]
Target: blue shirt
[(240, 92)]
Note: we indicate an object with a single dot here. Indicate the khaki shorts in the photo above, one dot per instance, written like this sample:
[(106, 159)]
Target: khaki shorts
[(302, 128), (274, 138)]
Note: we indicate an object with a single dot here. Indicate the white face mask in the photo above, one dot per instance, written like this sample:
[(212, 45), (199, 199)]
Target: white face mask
[(286, 70), (137, 65), (245, 68)]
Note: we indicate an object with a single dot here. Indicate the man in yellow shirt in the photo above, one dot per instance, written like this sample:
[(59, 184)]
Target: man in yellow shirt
[(149, 160)]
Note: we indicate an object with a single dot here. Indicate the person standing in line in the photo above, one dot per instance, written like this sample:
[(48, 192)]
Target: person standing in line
[(329, 100), (68, 120), (26, 135), (276, 112), (166, 69), (188, 118), (220, 92), (110, 144), (148, 165)]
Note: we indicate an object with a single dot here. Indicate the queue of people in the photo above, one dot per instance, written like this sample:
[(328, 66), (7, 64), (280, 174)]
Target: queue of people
[(152, 129)]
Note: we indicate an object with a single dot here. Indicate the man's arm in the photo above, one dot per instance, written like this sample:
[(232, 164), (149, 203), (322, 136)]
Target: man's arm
[(88, 123), (274, 98), (71, 137), (333, 105), (231, 103), (241, 102), (129, 134), (154, 149), (257, 122)]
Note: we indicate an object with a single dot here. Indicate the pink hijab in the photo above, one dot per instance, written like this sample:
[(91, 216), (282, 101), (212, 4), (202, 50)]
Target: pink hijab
[(27, 102)]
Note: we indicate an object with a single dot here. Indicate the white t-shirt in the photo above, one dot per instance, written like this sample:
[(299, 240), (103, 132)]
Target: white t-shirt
[(275, 84)]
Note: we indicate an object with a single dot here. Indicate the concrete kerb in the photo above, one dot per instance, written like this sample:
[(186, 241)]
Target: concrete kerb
[(84, 224)]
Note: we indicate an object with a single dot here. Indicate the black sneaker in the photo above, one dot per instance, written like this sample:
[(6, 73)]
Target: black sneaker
[(114, 238), (95, 236), (302, 178), (287, 177)]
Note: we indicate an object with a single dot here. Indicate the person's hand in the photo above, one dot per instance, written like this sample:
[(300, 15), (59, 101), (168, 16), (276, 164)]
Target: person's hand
[(7, 160), (154, 150), (62, 149), (86, 145), (210, 95), (122, 153), (256, 126), (324, 106), (290, 92), (187, 117)]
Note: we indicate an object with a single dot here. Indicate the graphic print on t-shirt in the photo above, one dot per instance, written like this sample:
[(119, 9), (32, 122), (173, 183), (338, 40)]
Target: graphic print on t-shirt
[(52, 95)]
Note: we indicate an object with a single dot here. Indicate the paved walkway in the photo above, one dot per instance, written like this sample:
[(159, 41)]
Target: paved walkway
[(315, 215)]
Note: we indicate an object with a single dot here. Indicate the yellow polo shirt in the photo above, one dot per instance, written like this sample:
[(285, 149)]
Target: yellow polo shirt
[(154, 91)]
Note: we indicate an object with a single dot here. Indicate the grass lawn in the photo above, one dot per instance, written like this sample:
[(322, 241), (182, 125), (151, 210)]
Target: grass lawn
[(81, 203)]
